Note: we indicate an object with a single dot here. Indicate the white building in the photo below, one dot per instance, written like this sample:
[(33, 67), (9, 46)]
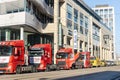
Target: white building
[(108, 18)]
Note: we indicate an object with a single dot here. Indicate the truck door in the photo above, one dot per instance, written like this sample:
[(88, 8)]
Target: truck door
[(16, 56)]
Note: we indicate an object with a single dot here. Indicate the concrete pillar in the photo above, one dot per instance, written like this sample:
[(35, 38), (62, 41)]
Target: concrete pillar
[(7, 34), (21, 33), (0, 35), (56, 22), (83, 45), (78, 45), (65, 41)]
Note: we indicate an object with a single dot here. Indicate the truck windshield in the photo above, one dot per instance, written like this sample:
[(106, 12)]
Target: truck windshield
[(5, 50), (35, 52), (62, 55)]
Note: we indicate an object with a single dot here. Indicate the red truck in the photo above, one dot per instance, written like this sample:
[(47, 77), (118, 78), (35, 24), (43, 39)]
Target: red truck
[(66, 58), (12, 57), (40, 55), (85, 57)]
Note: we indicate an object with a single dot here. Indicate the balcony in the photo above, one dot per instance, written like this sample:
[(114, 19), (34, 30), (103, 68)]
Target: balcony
[(15, 20), (44, 7)]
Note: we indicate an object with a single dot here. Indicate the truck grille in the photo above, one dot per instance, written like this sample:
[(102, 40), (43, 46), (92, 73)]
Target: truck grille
[(61, 63), (3, 65)]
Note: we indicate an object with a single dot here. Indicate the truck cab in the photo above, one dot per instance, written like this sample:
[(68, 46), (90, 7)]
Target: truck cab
[(40, 55), (86, 59), (66, 58), (11, 55)]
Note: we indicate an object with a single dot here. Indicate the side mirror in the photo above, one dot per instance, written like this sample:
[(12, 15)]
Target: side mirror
[(15, 51)]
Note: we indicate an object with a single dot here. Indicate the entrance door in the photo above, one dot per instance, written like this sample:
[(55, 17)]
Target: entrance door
[(34, 39)]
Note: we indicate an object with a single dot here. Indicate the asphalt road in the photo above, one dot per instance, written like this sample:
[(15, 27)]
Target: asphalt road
[(100, 73)]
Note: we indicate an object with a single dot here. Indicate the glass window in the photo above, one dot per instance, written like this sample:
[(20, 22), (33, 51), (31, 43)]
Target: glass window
[(86, 31), (101, 11), (2, 35), (110, 11), (62, 55), (96, 32), (69, 11), (5, 50), (106, 11), (81, 29), (81, 19), (75, 26), (86, 22), (69, 24), (75, 15), (68, 40), (96, 11)]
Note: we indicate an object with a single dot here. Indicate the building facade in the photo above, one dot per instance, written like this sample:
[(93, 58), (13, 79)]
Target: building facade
[(108, 18), (62, 23)]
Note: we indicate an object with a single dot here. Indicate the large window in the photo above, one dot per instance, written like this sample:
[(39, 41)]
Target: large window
[(110, 11), (69, 24), (86, 25), (86, 22), (13, 34), (101, 11), (96, 33), (75, 26), (81, 29), (69, 11), (2, 35), (81, 22), (68, 40), (49, 2), (106, 11), (81, 19), (75, 15)]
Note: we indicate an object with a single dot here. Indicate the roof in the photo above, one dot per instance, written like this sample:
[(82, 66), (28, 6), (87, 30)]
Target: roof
[(88, 9)]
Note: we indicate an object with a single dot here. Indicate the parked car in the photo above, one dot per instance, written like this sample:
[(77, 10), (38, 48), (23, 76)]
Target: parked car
[(103, 63), (110, 63), (95, 61)]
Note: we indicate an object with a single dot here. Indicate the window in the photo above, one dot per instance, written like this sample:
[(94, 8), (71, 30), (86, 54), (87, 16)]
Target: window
[(81, 19), (101, 11), (75, 26), (69, 11), (81, 29), (96, 33), (86, 31), (110, 11), (69, 24), (86, 22), (68, 40), (75, 15), (96, 11), (106, 11), (2, 34)]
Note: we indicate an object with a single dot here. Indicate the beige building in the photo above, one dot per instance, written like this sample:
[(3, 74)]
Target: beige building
[(62, 23)]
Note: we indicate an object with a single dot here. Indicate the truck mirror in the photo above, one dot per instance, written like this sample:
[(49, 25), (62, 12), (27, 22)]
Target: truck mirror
[(15, 51)]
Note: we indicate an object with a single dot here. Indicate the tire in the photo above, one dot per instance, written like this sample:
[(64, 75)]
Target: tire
[(73, 66), (47, 68), (34, 69), (57, 69), (18, 70)]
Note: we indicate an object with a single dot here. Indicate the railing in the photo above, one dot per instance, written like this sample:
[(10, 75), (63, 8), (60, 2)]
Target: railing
[(45, 7)]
